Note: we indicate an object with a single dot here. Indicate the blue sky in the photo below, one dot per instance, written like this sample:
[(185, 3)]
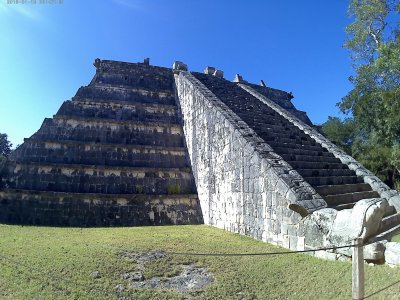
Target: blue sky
[(47, 50)]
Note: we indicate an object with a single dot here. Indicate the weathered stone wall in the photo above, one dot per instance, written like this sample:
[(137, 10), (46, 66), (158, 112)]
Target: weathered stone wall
[(113, 156), (74, 152), (97, 179), (105, 131), (243, 186), (66, 209), (120, 112)]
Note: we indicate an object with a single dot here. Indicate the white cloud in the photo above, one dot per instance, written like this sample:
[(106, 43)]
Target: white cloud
[(24, 10)]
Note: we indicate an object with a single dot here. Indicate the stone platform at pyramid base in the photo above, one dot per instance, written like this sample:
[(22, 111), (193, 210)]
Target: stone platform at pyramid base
[(90, 210)]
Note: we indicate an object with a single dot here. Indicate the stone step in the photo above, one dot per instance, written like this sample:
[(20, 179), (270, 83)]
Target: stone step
[(119, 113), (318, 181), (291, 145), (288, 142), (325, 172), (312, 159), (101, 93), (273, 122), (316, 165), (306, 155), (349, 197), (275, 125), (325, 190), (115, 104), (98, 179), (71, 152), (389, 222), (100, 131), (76, 209)]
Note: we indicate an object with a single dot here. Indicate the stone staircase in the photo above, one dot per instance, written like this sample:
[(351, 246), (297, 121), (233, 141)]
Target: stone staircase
[(339, 186), (116, 148)]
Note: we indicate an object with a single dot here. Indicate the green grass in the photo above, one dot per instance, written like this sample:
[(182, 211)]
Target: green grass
[(396, 238), (56, 263)]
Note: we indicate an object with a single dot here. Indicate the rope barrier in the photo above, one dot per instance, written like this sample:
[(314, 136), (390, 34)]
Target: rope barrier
[(265, 253), (5, 260)]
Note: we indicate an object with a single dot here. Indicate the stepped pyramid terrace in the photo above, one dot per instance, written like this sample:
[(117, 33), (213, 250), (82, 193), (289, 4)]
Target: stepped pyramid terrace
[(149, 145)]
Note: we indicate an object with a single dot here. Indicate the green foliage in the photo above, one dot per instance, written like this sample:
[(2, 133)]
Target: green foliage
[(5, 145), (374, 102), (342, 133), (375, 157), (365, 33), (369, 149), (374, 44)]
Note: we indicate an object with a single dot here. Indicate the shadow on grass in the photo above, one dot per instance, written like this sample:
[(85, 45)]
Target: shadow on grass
[(381, 290)]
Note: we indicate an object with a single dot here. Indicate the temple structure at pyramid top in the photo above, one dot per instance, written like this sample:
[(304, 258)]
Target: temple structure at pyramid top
[(147, 145)]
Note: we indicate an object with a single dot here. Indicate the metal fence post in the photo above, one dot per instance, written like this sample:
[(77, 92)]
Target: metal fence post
[(358, 270)]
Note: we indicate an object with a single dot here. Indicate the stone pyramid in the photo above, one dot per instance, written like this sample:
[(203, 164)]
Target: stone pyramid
[(113, 155), (146, 145)]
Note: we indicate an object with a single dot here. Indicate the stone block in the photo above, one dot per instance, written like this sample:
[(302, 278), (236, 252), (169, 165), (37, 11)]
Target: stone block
[(325, 255), (293, 242), (219, 73), (286, 241), (375, 252), (392, 253), (300, 243), (209, 70)]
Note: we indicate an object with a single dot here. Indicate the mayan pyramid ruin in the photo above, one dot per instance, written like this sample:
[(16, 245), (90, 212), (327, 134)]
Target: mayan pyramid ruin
[(148, 145)]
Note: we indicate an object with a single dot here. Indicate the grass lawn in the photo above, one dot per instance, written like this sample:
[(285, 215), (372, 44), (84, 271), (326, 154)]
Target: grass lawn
[(396, 238), (57, 263)]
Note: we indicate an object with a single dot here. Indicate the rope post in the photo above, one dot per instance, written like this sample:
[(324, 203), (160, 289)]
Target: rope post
[(358, 270)]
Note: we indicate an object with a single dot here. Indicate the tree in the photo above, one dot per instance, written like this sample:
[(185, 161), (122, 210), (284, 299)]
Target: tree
[(342, 133), (376, 157), (5, 145), (373, 105), (374, 44)]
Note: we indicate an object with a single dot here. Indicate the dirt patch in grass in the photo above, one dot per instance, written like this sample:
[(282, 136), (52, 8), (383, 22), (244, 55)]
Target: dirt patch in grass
[(181, 278)]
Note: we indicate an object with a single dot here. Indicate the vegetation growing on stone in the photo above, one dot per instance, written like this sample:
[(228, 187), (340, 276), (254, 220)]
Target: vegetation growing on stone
[(173, 189)]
